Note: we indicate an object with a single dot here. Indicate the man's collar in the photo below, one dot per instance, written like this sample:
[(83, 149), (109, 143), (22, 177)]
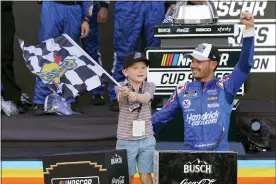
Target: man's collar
[(205, 84)]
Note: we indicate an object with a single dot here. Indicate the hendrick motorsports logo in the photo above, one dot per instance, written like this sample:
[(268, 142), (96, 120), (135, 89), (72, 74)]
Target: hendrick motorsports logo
[(203, 119), (77, 180)]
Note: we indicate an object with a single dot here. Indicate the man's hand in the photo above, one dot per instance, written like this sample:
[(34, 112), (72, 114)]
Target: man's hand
[(247, 19), (197, 2), (102, 15), (124, 91), (172, 6), (132, 97), (84, 29)]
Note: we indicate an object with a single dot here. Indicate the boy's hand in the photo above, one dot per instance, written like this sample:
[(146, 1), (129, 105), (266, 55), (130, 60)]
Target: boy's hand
[(124, 91), (132, 97)]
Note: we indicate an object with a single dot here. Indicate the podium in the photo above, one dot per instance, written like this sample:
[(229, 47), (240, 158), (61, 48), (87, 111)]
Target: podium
[(183, 167), (103, 167)]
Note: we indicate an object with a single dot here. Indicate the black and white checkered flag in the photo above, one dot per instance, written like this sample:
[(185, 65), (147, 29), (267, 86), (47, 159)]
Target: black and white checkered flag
[(62, 63)]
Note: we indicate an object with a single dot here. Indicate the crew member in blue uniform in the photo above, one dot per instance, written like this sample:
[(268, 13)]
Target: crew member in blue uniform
[(91, 44), (58, 17)]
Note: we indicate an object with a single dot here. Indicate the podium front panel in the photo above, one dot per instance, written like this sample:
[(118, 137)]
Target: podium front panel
[(86, 168), (171, 167)]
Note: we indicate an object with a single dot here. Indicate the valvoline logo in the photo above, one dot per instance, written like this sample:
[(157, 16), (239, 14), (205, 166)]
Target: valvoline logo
[(175, 59)]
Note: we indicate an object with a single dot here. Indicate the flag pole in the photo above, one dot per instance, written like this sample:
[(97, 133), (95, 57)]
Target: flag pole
[(91, 59)]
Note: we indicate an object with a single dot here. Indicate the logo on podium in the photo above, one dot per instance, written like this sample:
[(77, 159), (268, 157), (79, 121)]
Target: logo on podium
[(184, 167), (87, 168)]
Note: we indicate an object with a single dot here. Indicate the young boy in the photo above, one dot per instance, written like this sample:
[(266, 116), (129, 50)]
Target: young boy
[(135, 133)]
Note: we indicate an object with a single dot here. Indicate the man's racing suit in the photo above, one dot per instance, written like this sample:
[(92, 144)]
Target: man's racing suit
[(58, 17), (131, 20), (206, 107), (91, 44)]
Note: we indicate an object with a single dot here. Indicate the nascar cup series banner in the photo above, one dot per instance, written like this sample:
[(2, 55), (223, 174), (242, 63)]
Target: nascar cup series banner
[(108, 167), (168, 67), (174, 167)]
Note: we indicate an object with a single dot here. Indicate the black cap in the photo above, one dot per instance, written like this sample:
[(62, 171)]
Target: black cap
[(134, 57)]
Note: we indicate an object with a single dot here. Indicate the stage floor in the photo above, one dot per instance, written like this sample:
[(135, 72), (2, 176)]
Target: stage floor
[(28, 137), (31, 137), (96, 123)]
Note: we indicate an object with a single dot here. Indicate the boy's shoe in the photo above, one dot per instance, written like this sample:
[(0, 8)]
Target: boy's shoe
[(38, 110), (76, 107), (98, 100), (114, 106)]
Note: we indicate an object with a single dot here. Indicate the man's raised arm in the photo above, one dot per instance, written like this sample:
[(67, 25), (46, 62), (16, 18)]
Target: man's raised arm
[(234, 81)]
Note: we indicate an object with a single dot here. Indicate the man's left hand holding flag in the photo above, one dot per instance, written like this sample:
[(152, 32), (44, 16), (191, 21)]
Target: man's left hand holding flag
[(58, 17)]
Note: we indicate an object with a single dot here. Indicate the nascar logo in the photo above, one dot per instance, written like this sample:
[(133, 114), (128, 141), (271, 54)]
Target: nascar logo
[(76, 181), (175, 60)]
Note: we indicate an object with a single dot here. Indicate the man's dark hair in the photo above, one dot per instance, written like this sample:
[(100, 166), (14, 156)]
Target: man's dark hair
[(216, 66)]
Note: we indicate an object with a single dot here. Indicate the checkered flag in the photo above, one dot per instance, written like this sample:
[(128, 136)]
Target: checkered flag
[(62, 63)]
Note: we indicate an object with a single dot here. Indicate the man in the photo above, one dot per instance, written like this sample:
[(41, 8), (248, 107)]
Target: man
[(11, 91), (91, 44), (131, 19), (58, 17), (206, 103)]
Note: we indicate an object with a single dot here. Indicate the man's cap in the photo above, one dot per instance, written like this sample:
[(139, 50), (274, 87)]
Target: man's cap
[(205, 51), (134, 57)]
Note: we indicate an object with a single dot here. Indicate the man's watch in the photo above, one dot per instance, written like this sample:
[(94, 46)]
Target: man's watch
[(86, 19), (104, 4)]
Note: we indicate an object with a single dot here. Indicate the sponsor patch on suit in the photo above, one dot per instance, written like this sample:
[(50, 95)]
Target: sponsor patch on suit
[(189, 94)]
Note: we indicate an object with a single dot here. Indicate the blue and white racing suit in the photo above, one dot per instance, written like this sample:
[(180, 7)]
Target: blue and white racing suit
[(131, 20), (206, 107), (91, 44), (58, 18)]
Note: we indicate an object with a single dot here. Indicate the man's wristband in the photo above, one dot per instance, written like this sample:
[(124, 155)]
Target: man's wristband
[(248, 32), (86, 19), (104, 4)]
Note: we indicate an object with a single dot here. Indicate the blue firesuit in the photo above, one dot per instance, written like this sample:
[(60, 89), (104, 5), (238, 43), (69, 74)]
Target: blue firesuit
[(206, 107), (91, 44), (56, 19), (131, 20)]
